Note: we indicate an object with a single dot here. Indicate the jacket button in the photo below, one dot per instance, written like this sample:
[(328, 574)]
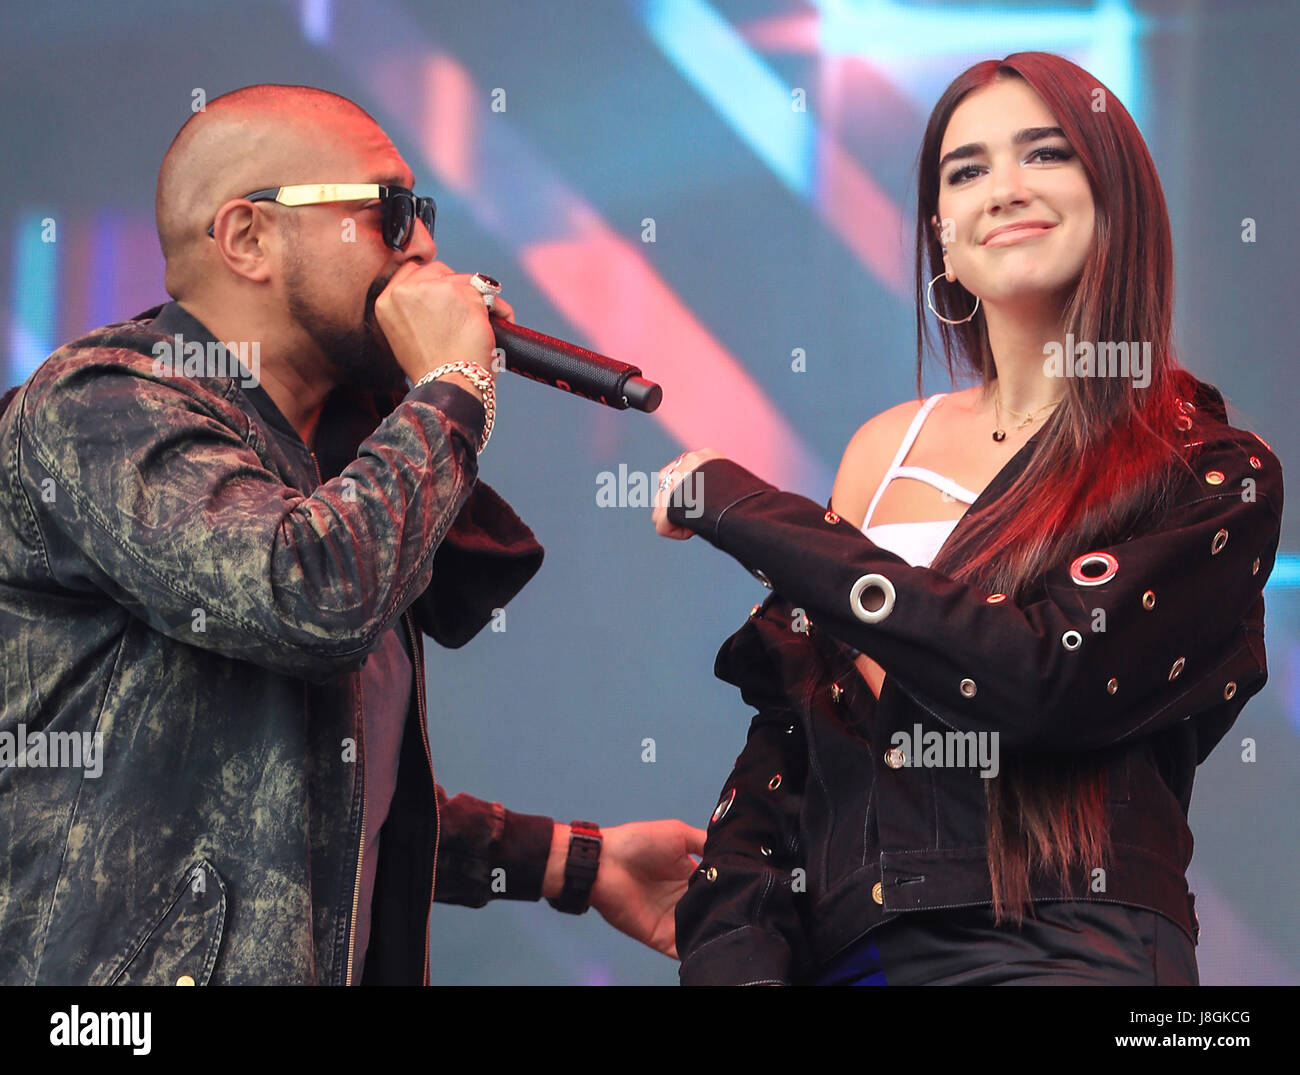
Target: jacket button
[(1229, 689), (1149, 600), (1214, 477), (185, 979), (877, 893), (1220, 540), (967, 688), (895, 758), (1112, 685), (1176, 669), (831, 517), (837, 693)]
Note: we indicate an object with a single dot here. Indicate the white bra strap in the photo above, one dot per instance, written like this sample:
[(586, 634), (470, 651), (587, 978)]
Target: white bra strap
[(903, 449)]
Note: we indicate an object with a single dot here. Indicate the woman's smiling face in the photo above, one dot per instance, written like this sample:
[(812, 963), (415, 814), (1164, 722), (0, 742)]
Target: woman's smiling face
[(1004, 164)]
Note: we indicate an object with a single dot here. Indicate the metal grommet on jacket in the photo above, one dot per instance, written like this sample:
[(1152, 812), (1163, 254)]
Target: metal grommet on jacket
[(967, 688), (1109, 566), (1149, 600), (895, 757), (1071, 640), (720, 811), (1177, 669), (865, 583), (1220, 540)]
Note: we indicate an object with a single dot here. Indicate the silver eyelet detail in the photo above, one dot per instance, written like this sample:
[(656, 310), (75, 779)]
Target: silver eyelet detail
[(1112, 685), (720, 811), (1214, 477), (1183, 423), (790, 730), (895, 757), (1149, 600), (774, 783), (1177, 669), (831, 517), (1220, 540), (764, 850), (754, 611), (1229, 689), (1071, 640), (862, 585), (995, 598), (1255, 463), (1088, 559), (762, 578), (837, 693), (1254, 568), (967, 688), (1186, 406)]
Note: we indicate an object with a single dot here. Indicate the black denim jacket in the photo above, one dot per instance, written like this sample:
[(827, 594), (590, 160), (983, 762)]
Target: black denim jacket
[(177, 579), (826, 829)]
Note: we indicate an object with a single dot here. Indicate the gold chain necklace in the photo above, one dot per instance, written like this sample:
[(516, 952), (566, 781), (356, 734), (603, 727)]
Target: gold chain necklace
[(1000, 434)]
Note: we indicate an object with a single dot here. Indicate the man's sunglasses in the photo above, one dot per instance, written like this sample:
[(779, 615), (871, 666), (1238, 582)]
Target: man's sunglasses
[(401, 207)]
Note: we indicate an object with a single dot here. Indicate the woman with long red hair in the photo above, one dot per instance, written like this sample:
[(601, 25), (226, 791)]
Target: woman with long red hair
[(992, 662)]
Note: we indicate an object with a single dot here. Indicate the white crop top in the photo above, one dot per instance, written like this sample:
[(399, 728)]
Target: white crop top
[(917, 543)]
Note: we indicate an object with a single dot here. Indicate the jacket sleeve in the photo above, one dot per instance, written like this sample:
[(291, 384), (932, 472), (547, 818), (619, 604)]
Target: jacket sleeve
[(151, 493), (486, 558), (739, 921), (1080, 668), (487, 852)]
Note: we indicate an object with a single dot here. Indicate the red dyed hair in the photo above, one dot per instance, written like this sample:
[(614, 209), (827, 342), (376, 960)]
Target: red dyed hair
[(1045, 812)]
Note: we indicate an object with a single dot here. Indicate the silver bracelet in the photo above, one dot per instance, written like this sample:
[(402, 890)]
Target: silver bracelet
[(480, 379)]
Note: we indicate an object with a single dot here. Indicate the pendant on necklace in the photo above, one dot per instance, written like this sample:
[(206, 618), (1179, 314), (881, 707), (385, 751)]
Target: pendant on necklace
[(1000, 435)]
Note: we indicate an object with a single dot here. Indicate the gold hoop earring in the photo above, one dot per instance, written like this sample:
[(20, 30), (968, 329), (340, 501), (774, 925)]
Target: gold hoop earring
[(929, 301)]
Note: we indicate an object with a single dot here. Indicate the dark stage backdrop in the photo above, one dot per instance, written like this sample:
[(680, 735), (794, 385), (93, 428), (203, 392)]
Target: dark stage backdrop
[(718, 192)]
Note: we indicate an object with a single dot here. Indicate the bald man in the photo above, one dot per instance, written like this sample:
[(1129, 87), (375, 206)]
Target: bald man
[(215, 578)]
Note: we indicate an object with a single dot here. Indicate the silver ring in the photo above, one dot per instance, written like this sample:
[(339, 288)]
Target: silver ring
[(487, 287)]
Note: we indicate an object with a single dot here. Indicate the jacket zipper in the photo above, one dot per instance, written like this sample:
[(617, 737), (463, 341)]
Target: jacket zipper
[(437, 820), (361, 843), (424, 737)]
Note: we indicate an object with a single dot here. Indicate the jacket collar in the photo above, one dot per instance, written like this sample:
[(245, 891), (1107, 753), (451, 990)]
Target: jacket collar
[(349, 416)]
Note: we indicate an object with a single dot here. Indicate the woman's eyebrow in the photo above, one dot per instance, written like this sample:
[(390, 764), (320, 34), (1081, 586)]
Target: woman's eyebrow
[(974, 149)]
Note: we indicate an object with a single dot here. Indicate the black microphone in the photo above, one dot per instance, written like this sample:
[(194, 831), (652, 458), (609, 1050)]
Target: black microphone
[(575, 369)]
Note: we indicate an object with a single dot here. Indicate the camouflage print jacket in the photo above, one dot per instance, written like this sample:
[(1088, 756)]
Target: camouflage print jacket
[(185, 600), (845, 812)]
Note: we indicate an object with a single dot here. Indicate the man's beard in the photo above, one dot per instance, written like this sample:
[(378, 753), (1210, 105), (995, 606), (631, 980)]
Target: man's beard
[(359, 354)]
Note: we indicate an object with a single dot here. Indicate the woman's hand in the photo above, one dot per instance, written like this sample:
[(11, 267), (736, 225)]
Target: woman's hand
[(670, 477)]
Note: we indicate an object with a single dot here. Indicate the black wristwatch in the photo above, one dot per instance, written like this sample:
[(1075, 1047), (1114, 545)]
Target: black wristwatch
[(579, 868)]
